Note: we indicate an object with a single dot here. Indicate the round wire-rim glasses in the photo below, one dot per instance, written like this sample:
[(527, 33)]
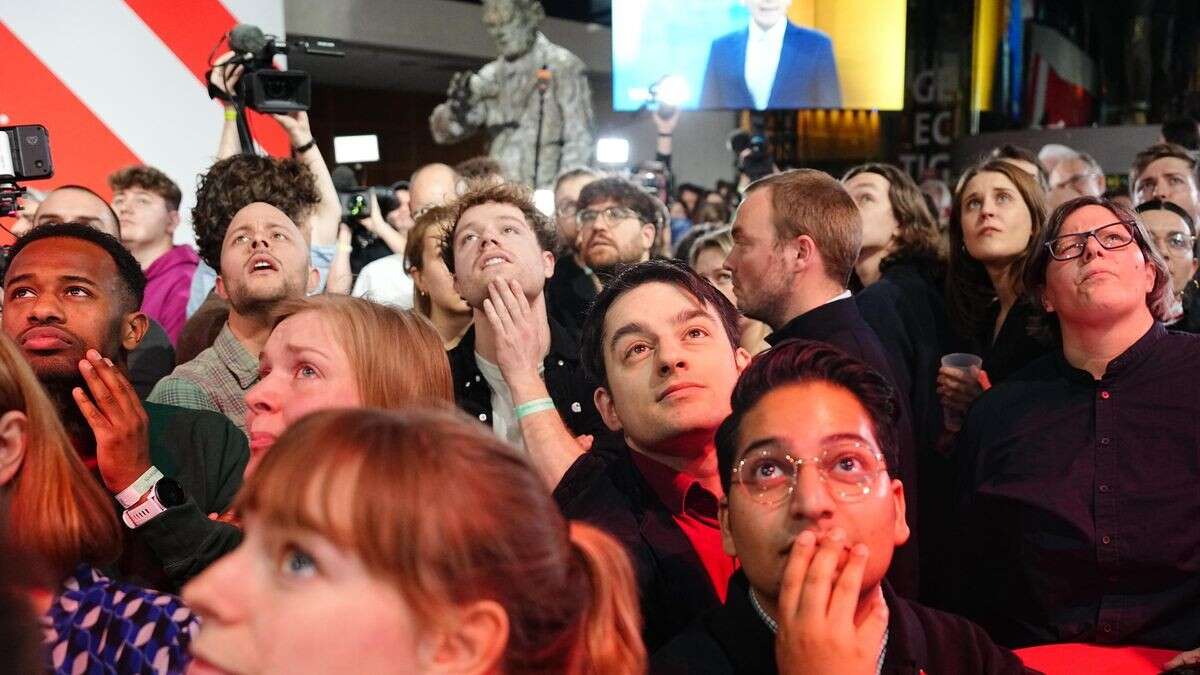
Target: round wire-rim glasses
[(848, 470)]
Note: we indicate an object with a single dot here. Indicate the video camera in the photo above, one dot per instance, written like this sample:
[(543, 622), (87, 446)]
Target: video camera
[(751, 154), (262, 87), (24, 155)]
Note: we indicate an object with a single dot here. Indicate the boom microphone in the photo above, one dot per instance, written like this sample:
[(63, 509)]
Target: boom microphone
[(247, 39)]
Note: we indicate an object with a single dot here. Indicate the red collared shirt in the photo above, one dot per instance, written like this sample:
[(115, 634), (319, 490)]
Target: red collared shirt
[(694, 509)]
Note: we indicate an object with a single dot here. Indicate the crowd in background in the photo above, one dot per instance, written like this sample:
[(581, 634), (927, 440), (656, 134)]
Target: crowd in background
[(800, 423)]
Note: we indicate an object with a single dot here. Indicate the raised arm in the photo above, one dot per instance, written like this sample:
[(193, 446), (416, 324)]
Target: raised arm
[(325, 218)]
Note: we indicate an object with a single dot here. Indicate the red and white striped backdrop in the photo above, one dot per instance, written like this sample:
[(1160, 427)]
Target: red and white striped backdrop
[(119, 82)]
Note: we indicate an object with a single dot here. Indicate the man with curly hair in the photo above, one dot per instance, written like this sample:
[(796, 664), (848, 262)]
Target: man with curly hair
[(248, 217)]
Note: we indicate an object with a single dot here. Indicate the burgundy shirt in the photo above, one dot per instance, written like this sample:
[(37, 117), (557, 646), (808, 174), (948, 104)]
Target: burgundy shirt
[(168, 282), (694, 508)]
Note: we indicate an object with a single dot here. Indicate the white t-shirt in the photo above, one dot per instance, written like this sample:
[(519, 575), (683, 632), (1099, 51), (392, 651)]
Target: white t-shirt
[(504, 413), (385, 281)]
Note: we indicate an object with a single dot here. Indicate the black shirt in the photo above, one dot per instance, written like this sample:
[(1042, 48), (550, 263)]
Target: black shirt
[(1015, 345), (605, 488), (571, 390), (569, 294), (840, 324), (733, 638), (1080, 501), (906, 309)]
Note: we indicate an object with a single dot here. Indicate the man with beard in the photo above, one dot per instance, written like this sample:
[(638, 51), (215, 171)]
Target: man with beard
[(617, 224), (72, 298), (246, 215)]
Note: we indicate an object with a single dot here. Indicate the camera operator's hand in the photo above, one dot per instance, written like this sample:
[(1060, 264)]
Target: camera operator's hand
[(225, 77), (377, 225), (296, 126)]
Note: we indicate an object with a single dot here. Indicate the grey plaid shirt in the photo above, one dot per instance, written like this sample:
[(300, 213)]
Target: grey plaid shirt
[(217, 379)]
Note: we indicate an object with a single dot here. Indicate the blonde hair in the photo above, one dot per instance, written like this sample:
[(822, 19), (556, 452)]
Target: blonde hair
[(54, 510), (397, 356), (451, 515)]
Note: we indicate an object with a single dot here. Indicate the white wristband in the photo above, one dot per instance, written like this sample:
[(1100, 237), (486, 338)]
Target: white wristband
[(130, 495)]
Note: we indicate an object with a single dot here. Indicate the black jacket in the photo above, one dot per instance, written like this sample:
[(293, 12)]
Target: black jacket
[(840, 324), (569, 294), (734, 639), (605, 488), (571, 390)]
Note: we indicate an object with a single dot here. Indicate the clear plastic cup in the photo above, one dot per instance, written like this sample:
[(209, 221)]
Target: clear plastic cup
[(964, 362)]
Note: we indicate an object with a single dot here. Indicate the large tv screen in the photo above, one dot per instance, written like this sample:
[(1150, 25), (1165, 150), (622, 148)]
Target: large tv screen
[(759, 54)]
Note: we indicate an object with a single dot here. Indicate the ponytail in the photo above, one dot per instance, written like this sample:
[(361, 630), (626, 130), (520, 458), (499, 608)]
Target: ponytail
[(609, 638)]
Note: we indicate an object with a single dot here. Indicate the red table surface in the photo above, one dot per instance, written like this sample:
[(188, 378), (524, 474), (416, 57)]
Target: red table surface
[(1095, 660)]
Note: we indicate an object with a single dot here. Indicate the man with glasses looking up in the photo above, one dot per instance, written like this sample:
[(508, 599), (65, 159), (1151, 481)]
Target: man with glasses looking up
[(617, 224), (813, 515), (1076, 176), (1078, 475)]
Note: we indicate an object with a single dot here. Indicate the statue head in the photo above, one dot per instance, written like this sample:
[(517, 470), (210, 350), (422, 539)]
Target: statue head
[(513, 24)]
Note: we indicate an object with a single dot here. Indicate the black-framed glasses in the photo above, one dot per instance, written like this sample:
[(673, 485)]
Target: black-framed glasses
[(848, 470), (612, 215), (1112, 236)]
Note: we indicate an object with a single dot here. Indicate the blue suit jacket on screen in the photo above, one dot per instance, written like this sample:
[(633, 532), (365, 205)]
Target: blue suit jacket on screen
[(806, 77)]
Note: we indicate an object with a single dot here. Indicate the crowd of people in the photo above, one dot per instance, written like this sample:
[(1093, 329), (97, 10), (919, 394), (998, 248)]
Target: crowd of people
[(664, 429)]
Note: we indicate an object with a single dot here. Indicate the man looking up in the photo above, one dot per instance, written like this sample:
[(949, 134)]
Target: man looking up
[(147, 203), (1077, 175), (154, 356), (499, 250), (617, 224), (796, 239), (71, 298), (246, 219), (813, 516), (1165, 171), (662, 343)]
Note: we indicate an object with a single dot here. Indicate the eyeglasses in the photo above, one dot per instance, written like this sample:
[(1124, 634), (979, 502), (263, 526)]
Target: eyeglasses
[(1176, 241), (612, 215), (849, 470), (566, 210), (1078, 182), (1112, 236)]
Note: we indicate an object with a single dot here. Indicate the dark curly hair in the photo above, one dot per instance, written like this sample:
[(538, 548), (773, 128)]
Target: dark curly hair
[(512, 194), (794, 361), (237, 181), (624, 193), (133, 279)]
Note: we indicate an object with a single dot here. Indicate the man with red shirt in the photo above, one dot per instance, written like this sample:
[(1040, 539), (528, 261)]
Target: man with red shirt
[(665, 378), (148, 205)]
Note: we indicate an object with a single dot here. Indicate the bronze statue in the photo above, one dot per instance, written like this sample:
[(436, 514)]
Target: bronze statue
[(534, 101)]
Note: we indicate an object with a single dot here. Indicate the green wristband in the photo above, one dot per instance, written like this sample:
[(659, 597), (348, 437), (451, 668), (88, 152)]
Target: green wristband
[(537, 405)]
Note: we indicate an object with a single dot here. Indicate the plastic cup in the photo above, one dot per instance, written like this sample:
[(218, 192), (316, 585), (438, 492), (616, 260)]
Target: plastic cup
[(964, 362)]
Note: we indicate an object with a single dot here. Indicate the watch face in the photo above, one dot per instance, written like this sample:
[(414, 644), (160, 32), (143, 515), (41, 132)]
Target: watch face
[(169, 492)]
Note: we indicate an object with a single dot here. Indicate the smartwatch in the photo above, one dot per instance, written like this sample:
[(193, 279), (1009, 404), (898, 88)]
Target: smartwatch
[(165, 494)]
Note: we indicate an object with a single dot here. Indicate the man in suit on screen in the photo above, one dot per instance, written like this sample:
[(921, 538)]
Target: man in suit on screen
[(772, 63)]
